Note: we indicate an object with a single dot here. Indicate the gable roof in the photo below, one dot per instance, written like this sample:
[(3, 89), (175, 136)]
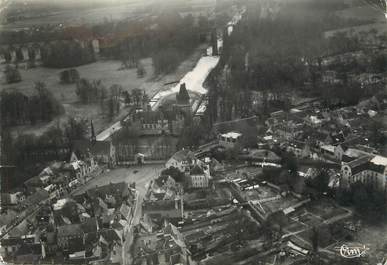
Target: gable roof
[(196, 170), (360, 164), (89, 226), (118, 190), (124, 210), (37, 197), (184, 155), (70, 230), (111, 235), (337, 138), (149, 116), (28, 249)]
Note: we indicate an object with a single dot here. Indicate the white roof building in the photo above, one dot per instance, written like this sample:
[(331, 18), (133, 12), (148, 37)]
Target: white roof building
[(233, 135)]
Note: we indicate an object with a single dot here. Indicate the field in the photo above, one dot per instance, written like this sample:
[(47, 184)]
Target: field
[(372, 17), (105, 70), (74, 13), (362, 11)]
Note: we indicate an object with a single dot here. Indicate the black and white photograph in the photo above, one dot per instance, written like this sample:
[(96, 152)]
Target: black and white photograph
[(193, 132)]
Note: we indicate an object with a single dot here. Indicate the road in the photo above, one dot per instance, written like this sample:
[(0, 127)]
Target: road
[(105, 134)]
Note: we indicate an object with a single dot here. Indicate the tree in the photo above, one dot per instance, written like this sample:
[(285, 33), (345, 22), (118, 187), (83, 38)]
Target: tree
[(49, 107), (360, 197), (289, 163), (321, 181), (377, 136), (19, 55), (8, 149), (137, 96), (7, 56), (110, 107), (176, 174), (145, 99), (31, 54), (140, 70), (75, 129), (166, 61), (12, 74), (379, 63), (67, 53), (69, 76), (127, 98)]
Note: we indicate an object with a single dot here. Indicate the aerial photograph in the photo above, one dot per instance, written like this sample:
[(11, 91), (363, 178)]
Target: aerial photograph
[(193, 132)]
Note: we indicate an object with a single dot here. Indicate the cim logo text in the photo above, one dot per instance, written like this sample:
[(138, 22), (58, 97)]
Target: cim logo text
[(353, 251)]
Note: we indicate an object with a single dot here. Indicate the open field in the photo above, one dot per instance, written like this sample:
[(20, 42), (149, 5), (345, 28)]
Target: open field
[(374, 19), (75, 13), (105, 70), (361, 10)]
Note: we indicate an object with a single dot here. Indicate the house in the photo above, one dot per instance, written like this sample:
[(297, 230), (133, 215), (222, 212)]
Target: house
[(158, 211), (368, 169), (68, 236), (284, 131), (9, 246), (81, 168), (230, 139), (111, 242), (299, 149), (29, 253), (39, 196), (78, 237), (159, 122), (351, 154), (330, 77), (103, 152), (151, 122), (163, 188), (198, 178), (337, 138), (339, 151), (169, 248), (328, 151), (181, 160), (124, 212), (113, 194), (16, 197)]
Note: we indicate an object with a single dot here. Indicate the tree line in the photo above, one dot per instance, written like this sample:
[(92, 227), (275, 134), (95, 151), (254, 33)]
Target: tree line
[(94, 91), (19, 109), (67, 53), (173, 38), (30, 153), (276, 58)]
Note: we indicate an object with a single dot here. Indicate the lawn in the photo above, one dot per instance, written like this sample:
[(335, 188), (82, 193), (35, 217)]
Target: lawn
[(105, 70)]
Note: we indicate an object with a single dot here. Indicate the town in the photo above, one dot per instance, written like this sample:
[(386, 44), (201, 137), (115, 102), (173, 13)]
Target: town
[(255, 135)]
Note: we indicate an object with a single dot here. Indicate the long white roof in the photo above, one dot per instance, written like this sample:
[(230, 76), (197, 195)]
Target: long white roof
[(233, 135), (379, 160)]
